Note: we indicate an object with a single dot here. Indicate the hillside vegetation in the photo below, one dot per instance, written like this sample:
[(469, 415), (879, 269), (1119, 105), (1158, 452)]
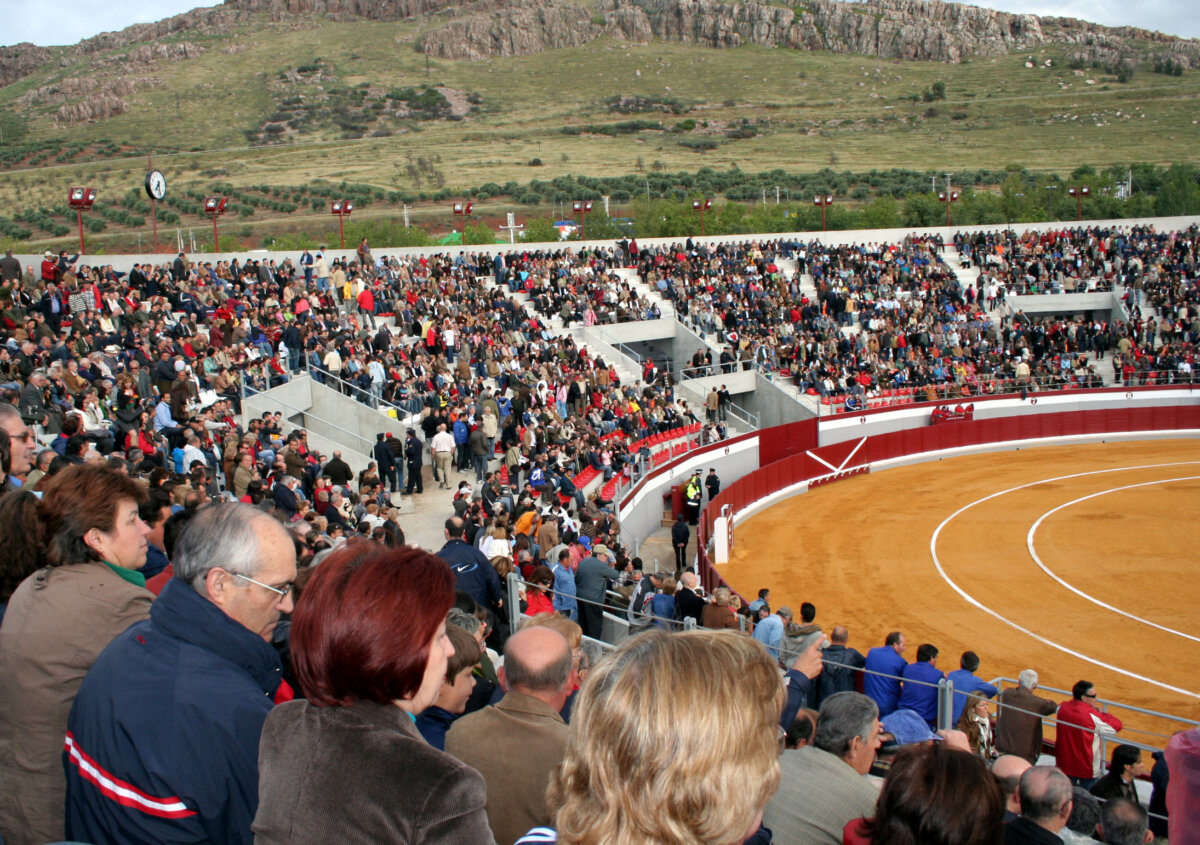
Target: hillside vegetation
[(282, 116)]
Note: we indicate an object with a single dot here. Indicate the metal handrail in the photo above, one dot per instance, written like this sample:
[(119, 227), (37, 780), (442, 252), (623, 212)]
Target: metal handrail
[(352, 390), (1105, 701), (988, 388), (309, 415), (742, 415)]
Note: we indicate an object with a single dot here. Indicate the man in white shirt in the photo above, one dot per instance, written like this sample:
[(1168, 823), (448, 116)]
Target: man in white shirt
[(442, 447)]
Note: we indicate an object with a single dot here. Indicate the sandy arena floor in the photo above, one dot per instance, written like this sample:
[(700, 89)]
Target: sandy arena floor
[(1079, 561)]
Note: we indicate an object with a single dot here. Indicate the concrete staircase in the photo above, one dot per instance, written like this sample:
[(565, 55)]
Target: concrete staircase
[(967, 276), (646, 290)]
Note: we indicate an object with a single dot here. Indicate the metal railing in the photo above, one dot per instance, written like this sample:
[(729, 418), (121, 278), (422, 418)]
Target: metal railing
[(977, 388), (613, 614), (617, 353), (350, 390), (746, 418), (1104, 704), (718, 369)]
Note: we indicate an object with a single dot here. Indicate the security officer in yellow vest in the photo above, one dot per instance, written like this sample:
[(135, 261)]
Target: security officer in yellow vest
[(692, 496)]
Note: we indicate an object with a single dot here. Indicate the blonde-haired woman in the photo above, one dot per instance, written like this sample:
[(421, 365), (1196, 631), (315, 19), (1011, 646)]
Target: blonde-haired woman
[(674, 738)]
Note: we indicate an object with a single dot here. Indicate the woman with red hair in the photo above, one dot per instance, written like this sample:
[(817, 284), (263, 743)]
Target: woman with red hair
[(369, 647)]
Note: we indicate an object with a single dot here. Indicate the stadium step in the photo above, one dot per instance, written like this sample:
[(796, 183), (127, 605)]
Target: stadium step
[(967, 276), (631, 276)]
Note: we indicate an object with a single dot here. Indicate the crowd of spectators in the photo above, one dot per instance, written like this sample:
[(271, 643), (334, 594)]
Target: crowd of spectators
[(886, 317), (200, 611), (1052, 261)]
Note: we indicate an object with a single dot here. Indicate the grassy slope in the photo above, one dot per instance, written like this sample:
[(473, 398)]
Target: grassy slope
[(816, 110)]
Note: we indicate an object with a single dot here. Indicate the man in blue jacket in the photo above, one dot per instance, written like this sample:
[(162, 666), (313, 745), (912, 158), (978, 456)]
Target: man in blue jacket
[(473, 572), (967, 683), (886, 660), (462, 436), (162, 742), (920, 684)]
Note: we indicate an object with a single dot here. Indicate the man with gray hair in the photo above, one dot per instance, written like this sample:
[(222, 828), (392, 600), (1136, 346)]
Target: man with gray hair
[(769, 631), (516, 743), (823, 785), (162, 743), (1124, 822), (22, 443), (1046, 801), (1019, 718)]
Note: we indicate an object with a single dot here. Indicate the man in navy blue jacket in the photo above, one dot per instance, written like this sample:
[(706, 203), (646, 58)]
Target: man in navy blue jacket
[(882, 678), (966, 682), (162, 742), (473, 572), (920, 691)]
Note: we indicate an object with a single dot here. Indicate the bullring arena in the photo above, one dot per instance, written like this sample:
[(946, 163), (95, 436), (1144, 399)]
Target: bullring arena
[(1075, 556)]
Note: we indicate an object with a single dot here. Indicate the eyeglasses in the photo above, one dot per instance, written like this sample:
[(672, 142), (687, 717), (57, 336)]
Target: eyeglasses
[(283, 592), (1089, 695)]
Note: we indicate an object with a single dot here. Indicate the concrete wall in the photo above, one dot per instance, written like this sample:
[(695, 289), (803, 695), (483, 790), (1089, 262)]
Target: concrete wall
[(167, 241), (773, 405), (1065, 303), (737, 382), (642, 511), (358, 419), (296, 393), (639, 330), (333, 422)]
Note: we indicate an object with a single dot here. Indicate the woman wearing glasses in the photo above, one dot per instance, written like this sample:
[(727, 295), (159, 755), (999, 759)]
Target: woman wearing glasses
[(370, 651)]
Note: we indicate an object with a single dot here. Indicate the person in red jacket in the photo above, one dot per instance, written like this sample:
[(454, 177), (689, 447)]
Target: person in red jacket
[(366, 305), (1080, 726), (537, 595)]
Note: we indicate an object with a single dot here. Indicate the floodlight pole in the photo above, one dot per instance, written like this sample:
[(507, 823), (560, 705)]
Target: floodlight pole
[(340, 208), (1079, 192), (81, 198), (701, 206), (582, 209), (948, 197), (823, 202)]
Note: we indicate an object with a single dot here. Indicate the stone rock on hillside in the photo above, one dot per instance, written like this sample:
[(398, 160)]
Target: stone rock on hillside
[(929, 30), (20, 60), (531, 27), (73, 88), (924, 30), (175, 51), (377, 10), (94, 108)]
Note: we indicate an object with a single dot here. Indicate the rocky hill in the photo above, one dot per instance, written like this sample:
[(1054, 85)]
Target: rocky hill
[(927, 30), (923, 30)]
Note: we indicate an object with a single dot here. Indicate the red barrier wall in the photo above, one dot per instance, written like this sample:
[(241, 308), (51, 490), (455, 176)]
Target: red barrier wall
[(793, 464)]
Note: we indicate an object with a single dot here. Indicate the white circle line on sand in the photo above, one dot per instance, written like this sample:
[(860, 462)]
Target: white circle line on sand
[(1029, 542), (974, 602)]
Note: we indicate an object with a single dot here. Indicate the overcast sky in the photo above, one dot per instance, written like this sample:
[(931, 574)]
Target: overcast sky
[(74, 20)]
